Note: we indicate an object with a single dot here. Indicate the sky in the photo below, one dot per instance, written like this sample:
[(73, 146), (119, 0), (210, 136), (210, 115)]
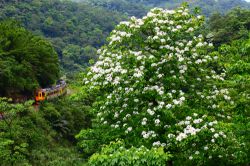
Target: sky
[(247, 0)]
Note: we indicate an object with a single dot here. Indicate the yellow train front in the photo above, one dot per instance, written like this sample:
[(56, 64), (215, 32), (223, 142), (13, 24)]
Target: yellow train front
[(51, 93)]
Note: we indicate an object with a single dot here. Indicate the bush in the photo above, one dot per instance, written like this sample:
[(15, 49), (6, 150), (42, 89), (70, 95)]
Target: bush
[(116, 154)]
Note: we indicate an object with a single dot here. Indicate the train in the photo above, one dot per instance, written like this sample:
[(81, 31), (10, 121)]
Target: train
[(47, 93), (52, 92)]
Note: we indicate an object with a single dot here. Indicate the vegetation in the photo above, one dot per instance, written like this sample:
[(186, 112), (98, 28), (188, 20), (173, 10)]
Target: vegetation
[(232, 26), (198, 123), (76, 30), (122, 6), (116, 155), (208, 7), (26, 61), (166, 89), (43, 137), (67, 25)]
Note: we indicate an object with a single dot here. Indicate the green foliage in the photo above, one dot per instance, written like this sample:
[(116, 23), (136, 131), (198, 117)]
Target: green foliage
[(41, 137), (208, 7), (66, 116), (232, 26), (139, 7), (26, 61), (57, 155), (66, 24), (123, 6), (76, 57), (235, 57), (19, 134), (116, 154), (71, 25)]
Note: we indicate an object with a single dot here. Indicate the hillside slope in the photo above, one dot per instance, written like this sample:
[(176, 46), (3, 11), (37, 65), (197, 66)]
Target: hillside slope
[(207, 6), (75, 30)]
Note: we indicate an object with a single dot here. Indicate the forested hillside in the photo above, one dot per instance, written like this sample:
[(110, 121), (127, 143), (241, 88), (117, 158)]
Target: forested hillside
[(75, 30), (168, 87), (208, 7)]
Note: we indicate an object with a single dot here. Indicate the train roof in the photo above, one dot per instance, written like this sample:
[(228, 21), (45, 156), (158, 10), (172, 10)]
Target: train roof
[(62, 83)]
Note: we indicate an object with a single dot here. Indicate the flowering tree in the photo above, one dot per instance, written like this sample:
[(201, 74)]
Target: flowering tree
[(161, 86)]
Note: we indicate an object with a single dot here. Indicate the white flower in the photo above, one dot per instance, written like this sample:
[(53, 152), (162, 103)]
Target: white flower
[(182, 71), (216, 135), (136, 100), (199, 17), (197, 152), (176, 102), (157, 121), (190, 158), (155, 37), (160, 75), (181, 136), (199, 44), (158, 143), (197, 121), (178, 27), (150, 112), (168, 106), (182, 98), (129, 129), (145, 134), (191, 29), (181, 59), (171, 22), (116, 115), (163, 40)]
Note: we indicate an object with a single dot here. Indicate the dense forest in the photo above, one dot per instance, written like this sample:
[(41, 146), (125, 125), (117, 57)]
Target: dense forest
[(208, 7), (170, 86), (75, 30)]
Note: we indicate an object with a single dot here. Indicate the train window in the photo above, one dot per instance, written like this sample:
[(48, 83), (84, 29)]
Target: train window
[(43, 94)]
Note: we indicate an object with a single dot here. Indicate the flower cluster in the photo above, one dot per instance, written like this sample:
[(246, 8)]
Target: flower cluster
[(192, 125)]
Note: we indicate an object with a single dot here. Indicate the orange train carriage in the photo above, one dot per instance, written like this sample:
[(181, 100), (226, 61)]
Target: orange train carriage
[(50, 93)]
